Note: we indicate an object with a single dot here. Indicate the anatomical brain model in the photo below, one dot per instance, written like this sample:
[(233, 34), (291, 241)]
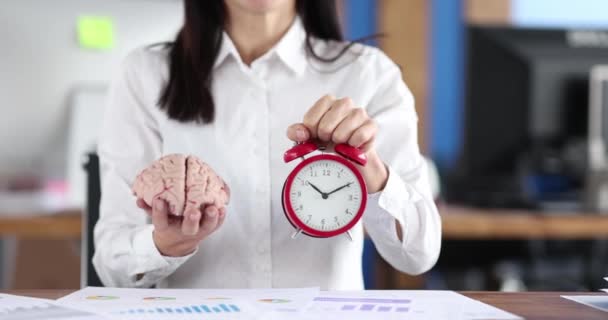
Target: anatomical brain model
[(184, 182)]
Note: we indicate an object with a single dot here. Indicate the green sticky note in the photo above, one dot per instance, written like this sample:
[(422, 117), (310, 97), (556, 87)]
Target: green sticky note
[(95, 32)]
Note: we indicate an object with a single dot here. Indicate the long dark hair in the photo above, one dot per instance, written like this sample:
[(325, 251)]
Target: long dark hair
[(187, 94)]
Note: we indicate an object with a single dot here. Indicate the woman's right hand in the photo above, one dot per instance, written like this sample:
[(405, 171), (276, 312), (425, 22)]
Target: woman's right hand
[(179, 236)]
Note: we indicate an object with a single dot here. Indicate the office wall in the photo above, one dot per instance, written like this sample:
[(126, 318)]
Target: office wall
[(405, 29), (41, 63), (488, 12)]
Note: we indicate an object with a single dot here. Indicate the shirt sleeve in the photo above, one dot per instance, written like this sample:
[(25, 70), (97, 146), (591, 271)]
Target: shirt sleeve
[(125, 253), (407, 197)]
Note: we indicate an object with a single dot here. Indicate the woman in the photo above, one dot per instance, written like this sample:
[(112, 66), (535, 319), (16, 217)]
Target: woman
[(240, 74)]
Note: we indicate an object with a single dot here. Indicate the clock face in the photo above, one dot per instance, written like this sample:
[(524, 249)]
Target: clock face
[(325, 195)]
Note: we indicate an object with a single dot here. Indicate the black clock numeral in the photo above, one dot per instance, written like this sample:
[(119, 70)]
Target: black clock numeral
[(299, 193), (313, 173), (309, 217), (348, 212), (323, 221), (326, 173), (350, 197)]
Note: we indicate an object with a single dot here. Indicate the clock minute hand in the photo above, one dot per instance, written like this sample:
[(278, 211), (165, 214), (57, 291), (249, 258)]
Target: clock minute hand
[(340, 188), (323, 194)]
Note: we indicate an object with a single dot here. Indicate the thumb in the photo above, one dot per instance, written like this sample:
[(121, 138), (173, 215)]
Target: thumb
[(298, 132)]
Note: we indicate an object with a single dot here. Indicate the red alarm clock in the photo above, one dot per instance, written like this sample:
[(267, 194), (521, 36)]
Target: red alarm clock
[(325, 195)]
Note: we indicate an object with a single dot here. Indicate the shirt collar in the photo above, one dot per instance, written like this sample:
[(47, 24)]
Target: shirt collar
[(227, 49), (290, 49)]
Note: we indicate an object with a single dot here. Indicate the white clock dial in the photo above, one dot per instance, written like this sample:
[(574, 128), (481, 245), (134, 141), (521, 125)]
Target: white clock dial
[(326, 195)]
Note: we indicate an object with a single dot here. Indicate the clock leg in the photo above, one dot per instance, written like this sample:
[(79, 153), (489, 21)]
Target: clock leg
[(349, 235), (295, 234)]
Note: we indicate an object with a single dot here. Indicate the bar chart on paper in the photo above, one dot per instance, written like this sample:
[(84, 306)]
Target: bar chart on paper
[(346, 304), (193, 311)]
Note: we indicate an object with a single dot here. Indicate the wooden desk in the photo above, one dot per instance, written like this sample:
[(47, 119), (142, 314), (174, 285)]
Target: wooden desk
[(530, 305), (49, 239), (459, 223), (462, 223), (66, 224), (540, 305)]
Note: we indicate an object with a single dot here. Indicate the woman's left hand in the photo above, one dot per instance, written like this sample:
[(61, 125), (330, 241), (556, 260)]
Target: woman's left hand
[(339, 121)]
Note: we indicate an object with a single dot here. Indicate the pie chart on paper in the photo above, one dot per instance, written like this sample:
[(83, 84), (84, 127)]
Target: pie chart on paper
[(102, 298), (274, 300), (158, 298)]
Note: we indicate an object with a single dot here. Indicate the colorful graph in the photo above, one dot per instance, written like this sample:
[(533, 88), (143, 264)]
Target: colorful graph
[(193, 309), (368, 304), (102, 298), (158, 298), (372, 307), (274, 300)]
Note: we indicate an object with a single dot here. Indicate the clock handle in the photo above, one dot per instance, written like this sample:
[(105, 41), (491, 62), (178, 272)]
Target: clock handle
[(351, 153), (299, 150)]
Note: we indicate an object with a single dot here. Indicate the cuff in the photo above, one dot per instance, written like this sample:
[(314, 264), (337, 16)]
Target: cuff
[(150, 265), (391, 204)]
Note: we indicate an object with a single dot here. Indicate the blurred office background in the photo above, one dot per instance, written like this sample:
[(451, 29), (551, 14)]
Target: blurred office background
[(503, 97)]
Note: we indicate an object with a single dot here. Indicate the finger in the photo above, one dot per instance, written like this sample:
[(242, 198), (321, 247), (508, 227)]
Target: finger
[(314, 114), (355, 119), (330, 120), (221, 218), (210, 220), (363, 134), (192, 205), (160, 215), (368, 145), (141, 203), (191, 222), (298, 132)]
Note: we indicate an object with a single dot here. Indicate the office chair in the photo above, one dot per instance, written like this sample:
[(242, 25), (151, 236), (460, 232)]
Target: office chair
[(88, 275)]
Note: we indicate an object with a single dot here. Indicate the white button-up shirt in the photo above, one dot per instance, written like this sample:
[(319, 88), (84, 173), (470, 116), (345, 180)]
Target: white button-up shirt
[(244, 145)]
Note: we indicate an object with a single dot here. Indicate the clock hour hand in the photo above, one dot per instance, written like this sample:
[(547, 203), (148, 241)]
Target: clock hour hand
[(342, 187), (323, 194)]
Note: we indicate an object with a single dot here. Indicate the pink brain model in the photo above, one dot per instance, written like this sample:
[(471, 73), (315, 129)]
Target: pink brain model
[(184, 182)]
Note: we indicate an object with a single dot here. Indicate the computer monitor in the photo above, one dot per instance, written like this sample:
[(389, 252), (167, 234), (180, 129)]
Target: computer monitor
[(526, 115)]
